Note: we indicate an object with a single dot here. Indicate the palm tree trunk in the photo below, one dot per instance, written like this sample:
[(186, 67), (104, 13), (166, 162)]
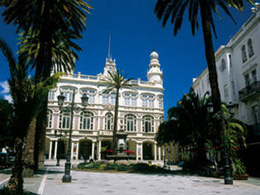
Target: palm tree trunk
[(40, 136), (15, 184), (115, 122), (210, 56), (28, 161)]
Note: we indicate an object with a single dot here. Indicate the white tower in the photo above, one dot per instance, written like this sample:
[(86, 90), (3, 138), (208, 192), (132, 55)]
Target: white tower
[(155, 74), (110, 63)]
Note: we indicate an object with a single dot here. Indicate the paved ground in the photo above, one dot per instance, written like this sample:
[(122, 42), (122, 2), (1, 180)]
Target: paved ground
[(48, 182)]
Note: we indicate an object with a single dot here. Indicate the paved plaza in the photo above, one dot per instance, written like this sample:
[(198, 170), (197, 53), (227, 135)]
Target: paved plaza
[(48, 182)]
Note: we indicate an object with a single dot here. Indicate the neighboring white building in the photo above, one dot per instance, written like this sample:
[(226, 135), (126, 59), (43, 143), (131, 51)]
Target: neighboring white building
[(140, 113), (239, 73)]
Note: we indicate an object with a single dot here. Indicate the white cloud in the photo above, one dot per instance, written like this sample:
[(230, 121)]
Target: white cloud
[(5, 87), (8, 98)]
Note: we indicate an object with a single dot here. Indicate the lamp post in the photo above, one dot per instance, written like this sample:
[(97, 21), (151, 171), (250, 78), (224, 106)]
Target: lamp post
[(70, 108), (256, 8), (227, 169)]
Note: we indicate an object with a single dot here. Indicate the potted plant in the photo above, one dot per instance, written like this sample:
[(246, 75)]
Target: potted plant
[(239, 170)]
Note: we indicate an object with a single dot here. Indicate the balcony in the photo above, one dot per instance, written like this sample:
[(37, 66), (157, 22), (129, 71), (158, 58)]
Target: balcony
[(250, 91)]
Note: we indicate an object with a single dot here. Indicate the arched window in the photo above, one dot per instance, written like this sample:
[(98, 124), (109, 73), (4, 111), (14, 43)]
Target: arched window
[(64, 122), (250, 48), (130, 122), (86, 120), (49, 121), (243, 53), (148, 124), (109, 121)]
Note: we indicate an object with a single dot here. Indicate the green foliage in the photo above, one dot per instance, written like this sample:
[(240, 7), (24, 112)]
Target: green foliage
[(187, 123), (139, 167), (122, 167), (111, 166), (173, 10), (238, 167)]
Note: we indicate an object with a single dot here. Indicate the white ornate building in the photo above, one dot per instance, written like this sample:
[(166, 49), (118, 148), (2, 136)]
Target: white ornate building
[(140, 113)]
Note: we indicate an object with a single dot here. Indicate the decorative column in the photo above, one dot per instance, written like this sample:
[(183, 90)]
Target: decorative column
[(50, 149), (99, 150), (137, 151), (141, 146), (55, 149), (155, 151), (77, 150), (93, 150), (159, 153)]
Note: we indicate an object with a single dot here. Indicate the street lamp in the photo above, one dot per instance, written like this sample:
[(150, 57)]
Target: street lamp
[(70, 108), (220, 116), (256, 8)]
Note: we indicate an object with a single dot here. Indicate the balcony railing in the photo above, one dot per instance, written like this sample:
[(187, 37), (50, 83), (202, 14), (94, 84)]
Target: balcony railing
[(249, 91)]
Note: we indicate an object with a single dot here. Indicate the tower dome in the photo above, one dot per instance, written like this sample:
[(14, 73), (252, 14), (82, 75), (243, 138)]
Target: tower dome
[(154, 55)]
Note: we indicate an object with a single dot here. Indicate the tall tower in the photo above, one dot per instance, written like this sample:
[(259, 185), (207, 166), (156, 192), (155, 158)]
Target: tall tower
[(155, 74), (110, 63)]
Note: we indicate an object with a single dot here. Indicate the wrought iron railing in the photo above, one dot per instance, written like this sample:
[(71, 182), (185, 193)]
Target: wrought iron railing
[(249, 89)]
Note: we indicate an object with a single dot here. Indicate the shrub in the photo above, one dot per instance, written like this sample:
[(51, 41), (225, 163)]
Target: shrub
[(111, 166), (238, 167), (122, 167)]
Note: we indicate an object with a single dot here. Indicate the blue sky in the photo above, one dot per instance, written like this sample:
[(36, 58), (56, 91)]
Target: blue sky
[(136, 32)]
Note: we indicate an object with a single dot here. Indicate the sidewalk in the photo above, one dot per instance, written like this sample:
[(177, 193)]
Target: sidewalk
[(49, 182)]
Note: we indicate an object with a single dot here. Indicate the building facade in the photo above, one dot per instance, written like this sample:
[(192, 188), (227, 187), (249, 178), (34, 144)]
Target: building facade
[(238, 72), (140, 114)]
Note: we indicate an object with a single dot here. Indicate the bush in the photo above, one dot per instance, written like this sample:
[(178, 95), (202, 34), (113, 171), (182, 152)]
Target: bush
[(122, 167), (238, 167), (111, 166)]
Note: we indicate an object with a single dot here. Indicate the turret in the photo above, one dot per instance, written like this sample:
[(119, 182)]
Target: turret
[(155, 74)]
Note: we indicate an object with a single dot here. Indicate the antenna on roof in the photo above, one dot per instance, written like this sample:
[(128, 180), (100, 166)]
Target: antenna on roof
[(109, 45)]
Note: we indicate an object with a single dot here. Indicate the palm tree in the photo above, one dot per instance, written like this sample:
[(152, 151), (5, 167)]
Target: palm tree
[(187, 125), (174, 9), (115, 81), (235, 134), (26, 102), (49, 26)]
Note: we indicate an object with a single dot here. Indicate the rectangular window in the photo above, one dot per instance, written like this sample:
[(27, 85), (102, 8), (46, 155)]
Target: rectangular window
[(105, 99), (134, 102), (127, 100), (254, 77), (113, 99), (247, 79), (68, 96), (66, 122), (51, 95), (144, 102)]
